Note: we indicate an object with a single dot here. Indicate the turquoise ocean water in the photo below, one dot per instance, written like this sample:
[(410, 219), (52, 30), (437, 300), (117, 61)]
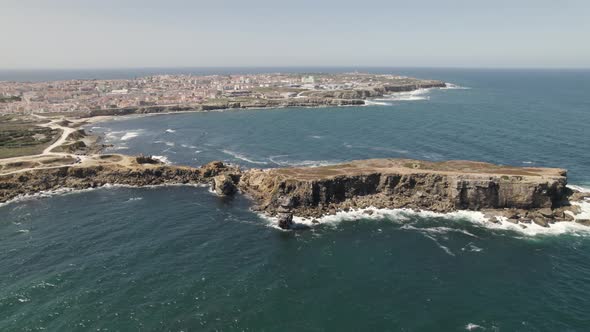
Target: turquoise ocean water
[(179, 258)]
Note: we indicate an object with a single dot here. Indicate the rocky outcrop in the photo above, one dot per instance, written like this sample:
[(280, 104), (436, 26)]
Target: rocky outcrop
[(519, 194), (225, 184), (122, 171), (399, 183)]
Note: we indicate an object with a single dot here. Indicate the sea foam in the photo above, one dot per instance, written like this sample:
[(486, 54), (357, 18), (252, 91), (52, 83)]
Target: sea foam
[(404, 216), (243, 157)]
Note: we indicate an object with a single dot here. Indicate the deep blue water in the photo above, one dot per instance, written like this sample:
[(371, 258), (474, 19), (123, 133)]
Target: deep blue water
[(182, 259)]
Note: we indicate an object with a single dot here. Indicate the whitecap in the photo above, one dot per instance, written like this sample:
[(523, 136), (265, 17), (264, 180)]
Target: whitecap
[(301, 163), (316, 137), (471, 327), (474, 217), (471, 248), (169, 143), (451, 86), (369, 102), (444, 248), (163, 159), (170, 130), (243, 157), (419, 94), (130, 135), (579, 188)]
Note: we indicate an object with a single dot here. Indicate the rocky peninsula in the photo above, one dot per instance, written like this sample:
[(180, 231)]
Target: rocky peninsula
[(54, 152), (519, 194)]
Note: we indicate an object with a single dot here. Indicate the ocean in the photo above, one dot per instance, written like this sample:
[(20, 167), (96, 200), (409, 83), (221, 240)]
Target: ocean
[(179, 258)]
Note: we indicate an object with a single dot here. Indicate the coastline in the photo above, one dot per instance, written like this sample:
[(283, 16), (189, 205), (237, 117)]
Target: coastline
[(96, 170)]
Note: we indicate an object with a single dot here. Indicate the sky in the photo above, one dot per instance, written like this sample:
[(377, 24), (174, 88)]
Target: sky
[(70, 34)]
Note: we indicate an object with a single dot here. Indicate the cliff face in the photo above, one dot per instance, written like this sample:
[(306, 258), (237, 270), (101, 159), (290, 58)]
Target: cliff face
[(91, 176), (442, 187)]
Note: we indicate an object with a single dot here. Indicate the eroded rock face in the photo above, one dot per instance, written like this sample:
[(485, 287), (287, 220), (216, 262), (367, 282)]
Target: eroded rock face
[(224, 185), (81, 177), (441, 187)]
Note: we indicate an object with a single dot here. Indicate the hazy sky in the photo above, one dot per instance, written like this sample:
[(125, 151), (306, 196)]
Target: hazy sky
[(178, 33)]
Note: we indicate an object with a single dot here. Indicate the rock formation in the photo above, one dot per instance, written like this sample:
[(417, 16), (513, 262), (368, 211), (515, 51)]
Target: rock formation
[(519, 194), (539, 194), (111, 169)]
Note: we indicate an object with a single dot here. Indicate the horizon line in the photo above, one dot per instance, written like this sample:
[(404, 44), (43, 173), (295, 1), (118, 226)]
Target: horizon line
[(299, 67)]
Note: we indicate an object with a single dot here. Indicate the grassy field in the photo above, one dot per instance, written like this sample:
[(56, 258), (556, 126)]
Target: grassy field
[(20, 136)]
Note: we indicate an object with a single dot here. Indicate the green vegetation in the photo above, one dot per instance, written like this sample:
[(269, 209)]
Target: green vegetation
[(8, 99), (22, 136)]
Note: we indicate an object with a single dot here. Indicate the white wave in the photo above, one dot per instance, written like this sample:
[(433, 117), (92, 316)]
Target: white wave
[(301, 163), (67, 191), (163, 159), (579, 188), (475, 217), (377, 103), (471, 327), (23, 231), (130, 135), (444, 248), (527, 162), (242, 157), (419, 94), (439, 230), (169, 143), (23, 299), (119, 147), (451, 86), (471, 248), (133, 199), (170, 130), (316, 137)]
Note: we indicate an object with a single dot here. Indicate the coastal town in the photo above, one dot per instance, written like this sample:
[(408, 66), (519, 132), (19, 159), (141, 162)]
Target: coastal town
[(191, 91)]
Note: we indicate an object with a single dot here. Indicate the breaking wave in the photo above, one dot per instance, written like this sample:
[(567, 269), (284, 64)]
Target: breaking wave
[(406, 216), (451, 86), (163, 159), (300, 163), (243, 157), (420, 94)]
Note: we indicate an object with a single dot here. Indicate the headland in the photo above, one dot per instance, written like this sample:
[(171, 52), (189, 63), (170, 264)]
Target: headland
[(48, 151)]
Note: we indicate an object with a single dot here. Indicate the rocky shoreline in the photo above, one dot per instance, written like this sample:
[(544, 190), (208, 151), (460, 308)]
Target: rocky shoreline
[(521, 195), (320, 98)]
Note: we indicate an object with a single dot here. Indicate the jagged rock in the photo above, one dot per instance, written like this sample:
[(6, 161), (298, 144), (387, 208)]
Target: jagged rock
[(285, 220), (223, 185), (112, 169), (585, 222), (141, 159), (401, 183), (541, 221), (546, 212)]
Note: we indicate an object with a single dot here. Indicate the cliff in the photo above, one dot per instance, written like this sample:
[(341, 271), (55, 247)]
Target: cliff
[(401, 183), (106, 169), (520, 194)]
